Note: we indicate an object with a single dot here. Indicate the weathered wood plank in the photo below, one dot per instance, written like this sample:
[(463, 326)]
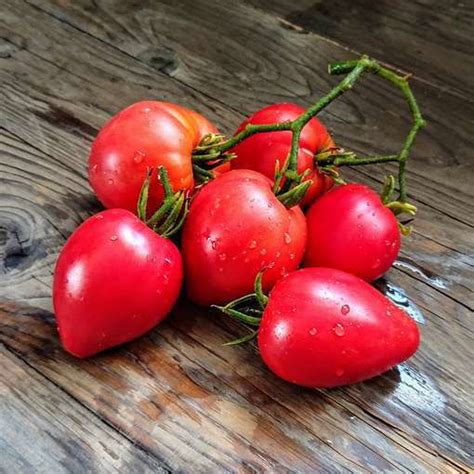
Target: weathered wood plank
[(29, 282), (178, 392), (252, 60), (183, 377), (42, 429), (31, 332), (433, 39)]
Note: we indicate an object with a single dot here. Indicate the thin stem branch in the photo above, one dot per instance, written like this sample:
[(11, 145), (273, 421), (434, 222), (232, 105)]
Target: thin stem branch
[(354, 70)]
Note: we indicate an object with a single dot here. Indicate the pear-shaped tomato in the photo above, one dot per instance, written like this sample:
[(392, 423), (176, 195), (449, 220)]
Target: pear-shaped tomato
[(323, 328), (261, 151), (235, 228), (115, 279), (350, 229)]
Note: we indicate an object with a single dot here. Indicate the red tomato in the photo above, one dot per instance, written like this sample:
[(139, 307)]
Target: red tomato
[(323, 328), (114, 280), (236, 227), (260, 152), (145, 135), (350, 229)]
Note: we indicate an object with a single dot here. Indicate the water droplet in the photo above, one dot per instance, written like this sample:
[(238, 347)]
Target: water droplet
[(222, 256), (139, 156), (167, 260), (221, 269), (263, 251), (94, 168), (147, 110), (113, 238), (339, 372), (292, 256), (287, 238), (110, 181), (345, 309), (247, 260), (283, 271), (253, 244), (376, 264), (278, 255), (313, 332), (99, 216), (339, 330)]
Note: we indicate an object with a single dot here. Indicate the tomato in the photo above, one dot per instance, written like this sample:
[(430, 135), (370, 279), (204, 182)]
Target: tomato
[(145, 135), (323, 328), (261, 151), (236, 227), (114, 280), (350, 229)]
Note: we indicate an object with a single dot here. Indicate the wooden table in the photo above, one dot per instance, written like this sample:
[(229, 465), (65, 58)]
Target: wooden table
[(177, 400)]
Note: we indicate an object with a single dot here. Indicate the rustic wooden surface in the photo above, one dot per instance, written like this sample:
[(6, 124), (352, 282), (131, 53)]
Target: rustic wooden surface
[(177, 400)]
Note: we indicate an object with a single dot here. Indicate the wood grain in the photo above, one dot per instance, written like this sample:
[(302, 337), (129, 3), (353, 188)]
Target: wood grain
[(43, 429), (177, 395), (429, 38)]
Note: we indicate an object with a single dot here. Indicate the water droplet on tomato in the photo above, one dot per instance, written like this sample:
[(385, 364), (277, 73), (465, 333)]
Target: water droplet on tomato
[(339, 330), (339, 372), (292, 256), (94, 168), (113, 238), (376, 264), (253, 244), (147, 110), (313, 332), (110, 181), (221, 269), (222, 256), (345, 309), (263, 251), (283, 271), (99, 216), (287, 238), (278, 255), (167, 260), (139, 156), (247, 260)]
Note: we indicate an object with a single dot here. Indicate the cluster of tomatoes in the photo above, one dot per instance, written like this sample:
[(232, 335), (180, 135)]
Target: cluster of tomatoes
[(121, 272)]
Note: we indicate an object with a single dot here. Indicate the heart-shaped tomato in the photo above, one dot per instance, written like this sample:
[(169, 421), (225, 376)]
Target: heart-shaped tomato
[(350, 229), (324, 327), (115, 279)]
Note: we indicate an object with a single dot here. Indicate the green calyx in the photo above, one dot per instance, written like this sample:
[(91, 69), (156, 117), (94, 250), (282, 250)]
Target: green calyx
[(170, 216), (247, 309), (206, 157), (396, 206)]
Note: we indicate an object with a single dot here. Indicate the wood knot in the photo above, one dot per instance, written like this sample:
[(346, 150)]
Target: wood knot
[(17, 248), (164, 59)]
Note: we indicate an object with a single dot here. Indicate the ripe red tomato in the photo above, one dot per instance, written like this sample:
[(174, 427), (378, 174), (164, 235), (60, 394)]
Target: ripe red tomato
[(350, 229), (114, 280), (236, 227), (261, 151), (147, 134), (323, 328)]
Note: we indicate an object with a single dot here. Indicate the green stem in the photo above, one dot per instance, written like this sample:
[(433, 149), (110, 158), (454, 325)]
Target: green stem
[(355, 160), (354, 70)]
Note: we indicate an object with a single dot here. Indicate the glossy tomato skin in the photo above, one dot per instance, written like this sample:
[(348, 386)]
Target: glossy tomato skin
[(145, 135), (260, 152), (350, 229), (235, 228), (324, 328), (115, 279)]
